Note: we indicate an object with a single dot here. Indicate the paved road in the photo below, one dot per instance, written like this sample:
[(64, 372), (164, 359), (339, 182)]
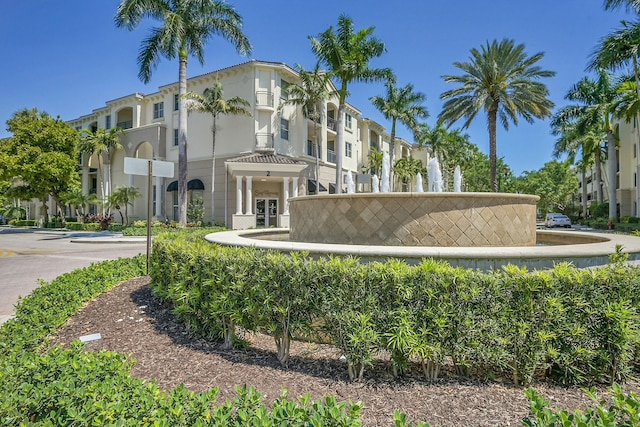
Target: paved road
[(26, 257)]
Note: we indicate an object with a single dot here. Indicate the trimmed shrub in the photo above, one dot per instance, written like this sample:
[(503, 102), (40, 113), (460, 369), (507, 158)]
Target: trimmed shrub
[(575, 326), (55, 386), (23, 222)]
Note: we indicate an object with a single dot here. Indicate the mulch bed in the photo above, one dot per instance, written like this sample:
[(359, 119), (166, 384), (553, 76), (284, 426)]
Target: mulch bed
[(131, 321)]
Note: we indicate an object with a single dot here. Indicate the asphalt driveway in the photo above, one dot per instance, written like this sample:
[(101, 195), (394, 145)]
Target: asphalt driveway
[(29, 255)]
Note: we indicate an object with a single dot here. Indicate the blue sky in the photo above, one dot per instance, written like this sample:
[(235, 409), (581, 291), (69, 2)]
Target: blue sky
[(67, 57)]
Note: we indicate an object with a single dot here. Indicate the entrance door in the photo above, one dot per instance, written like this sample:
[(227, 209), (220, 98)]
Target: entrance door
[(266, 212)]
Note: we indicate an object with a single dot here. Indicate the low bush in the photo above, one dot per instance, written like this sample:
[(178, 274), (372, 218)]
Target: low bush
[(23, 222), (79, 226), (571, 325), (56, 386), (622, 410)]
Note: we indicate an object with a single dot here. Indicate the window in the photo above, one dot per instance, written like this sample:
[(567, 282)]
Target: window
[(311, 148), (107, 122), (284, 129), (158, 110), (176, 138), (284, 89), (635, 179), (175, 102), (331, 154), (347, 149), (347, 120), (635, 150)]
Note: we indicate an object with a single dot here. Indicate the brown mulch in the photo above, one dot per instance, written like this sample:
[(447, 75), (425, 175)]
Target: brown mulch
[(131, 321)]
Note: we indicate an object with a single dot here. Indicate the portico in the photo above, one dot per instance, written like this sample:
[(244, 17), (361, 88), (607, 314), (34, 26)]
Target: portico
[(263, 184)]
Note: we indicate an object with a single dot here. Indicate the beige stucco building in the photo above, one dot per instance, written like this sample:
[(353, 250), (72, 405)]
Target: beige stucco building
[(627, 171), (260, 161)]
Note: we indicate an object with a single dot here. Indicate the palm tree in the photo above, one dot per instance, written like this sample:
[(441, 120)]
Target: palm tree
[(618, 50), (400, 105), (123, 196), (407, 168), (311, 93), (99, 143), (212, 102), (451, 147), (347, 55), (80, 202), (586, 142), (596, 107), (630, 5), (186, 26), (501, 80), (376, 157)]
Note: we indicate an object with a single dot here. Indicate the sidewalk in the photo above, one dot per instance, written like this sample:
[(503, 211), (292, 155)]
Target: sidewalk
[(78, 236)]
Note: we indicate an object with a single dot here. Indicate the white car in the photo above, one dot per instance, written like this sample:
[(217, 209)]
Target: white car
[(557, 220)]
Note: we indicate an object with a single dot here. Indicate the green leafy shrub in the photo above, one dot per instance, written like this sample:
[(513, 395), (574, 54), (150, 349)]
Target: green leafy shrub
[(575, 326), (624, 410), (55, 386), (23, 222), (78, 226)]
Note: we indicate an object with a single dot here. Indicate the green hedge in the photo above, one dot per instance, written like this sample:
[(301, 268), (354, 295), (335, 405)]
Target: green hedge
[(574, 326), (55, 386), (43, 385), (23, 222), (79, 226)]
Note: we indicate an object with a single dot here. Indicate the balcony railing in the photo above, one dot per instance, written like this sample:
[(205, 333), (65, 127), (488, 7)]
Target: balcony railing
[(331, 123), (264, 98), (264, 141), (331, 156), (127, 124)]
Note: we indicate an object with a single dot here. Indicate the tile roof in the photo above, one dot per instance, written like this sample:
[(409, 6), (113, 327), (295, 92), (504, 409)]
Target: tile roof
[(267, 158)]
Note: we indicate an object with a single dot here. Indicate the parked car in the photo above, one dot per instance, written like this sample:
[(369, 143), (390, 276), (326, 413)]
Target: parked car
[(557, 220)]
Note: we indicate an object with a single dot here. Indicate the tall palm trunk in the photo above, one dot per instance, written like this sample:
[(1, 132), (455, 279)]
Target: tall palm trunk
[(103, 192), (213, 169), (182, 140), (392, 150), (612, 171), (584, 191), (493, 113), (316, 138), (637, 78), (598, 165), (340, 139)]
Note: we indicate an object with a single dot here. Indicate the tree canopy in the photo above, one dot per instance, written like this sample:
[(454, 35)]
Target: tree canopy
[(555, 183), (40, 158)]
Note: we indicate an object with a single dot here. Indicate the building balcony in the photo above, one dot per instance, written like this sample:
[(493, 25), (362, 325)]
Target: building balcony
[(264, 142), (127, 124), (264, 100), (331, 156), (331, 124)]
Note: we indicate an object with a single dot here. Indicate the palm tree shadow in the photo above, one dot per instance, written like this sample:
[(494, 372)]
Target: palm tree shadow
[(166, 323)]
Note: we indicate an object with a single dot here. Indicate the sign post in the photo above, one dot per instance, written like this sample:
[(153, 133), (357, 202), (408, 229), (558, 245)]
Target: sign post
[(135, 166)]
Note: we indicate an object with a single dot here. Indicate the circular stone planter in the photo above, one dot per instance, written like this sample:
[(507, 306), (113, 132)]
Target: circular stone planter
[(415, 219)]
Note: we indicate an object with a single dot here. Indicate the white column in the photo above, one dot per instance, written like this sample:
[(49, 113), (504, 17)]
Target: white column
[(295, 187), (285, 192), (249, 196), (130, 180), (85, 180), (158, 196), (239, 195)]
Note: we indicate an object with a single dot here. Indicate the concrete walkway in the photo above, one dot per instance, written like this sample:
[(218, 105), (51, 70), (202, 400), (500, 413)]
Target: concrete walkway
[(28, 255)]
